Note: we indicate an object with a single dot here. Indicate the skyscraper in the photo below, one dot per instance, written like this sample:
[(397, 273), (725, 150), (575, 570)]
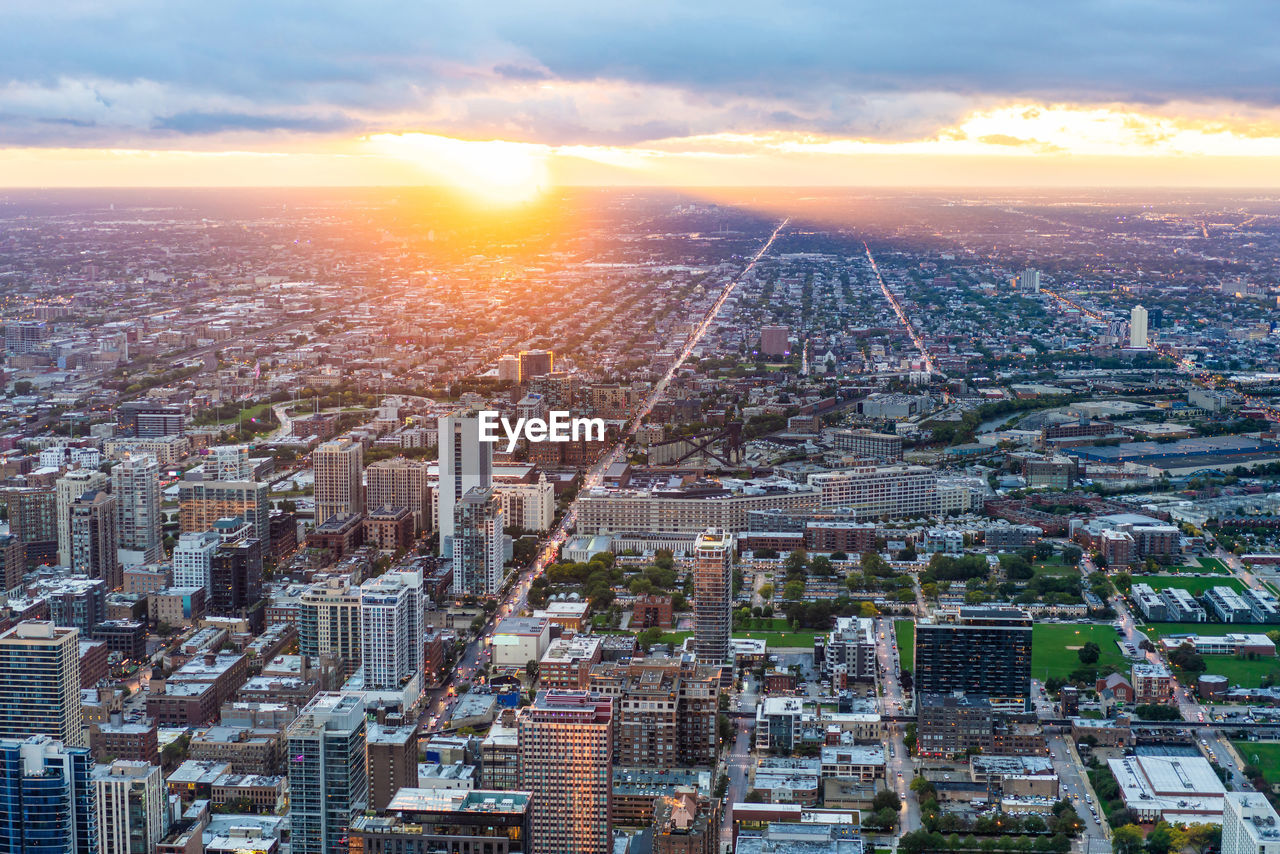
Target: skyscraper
[(465, 464), (1138, 328), (985, 651), (566, 749), (135, 483), (478, 546), (713, 596), (328, 782), (391, 612), (40, 682), (93, 538), (68, 488), (46, 798), (132, 807), (338, 465)]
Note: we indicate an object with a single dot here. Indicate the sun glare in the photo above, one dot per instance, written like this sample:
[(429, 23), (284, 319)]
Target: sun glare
[(493, 172)]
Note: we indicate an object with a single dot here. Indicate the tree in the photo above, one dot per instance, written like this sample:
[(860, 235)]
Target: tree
[(1186, 657), (886, 799), (1164, 838), (1201, 838), (793, 590), (531, 668), (796, 563), (821, 565), (1127, 839), (1089, 653)]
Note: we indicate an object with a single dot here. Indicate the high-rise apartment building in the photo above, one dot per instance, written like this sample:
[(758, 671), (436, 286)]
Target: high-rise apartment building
[(40, 683), (192, 557), (338, 491), (1138, 328), (94, 550), (33, 519), (68, 489), (132, 807), (235, 580), (478, 545), (984, 651), (13, 562), (713, 596), (401, 482), (1250, 824), (329, 621), (391, 616), (202, 503), (135, 483), (536, 363), (48, 800), (566, 749), (466, 463), (775, 340), (393, 762), (1029, 281), (328, 777), (665, 711)]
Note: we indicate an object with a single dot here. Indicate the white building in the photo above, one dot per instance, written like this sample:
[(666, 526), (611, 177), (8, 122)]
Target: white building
[(466, 463), (67, 489), (1138, 328), (880, 492), (135, 482), (391, 611), (1250, 825), (132, 806), (338, 490), (531, 506), (193, 557), (228, 462), (1176, 789)]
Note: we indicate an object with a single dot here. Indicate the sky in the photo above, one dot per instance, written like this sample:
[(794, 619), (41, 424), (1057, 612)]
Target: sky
[(506, 99)]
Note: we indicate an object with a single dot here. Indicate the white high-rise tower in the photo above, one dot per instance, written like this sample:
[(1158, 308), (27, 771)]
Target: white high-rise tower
[(466, 463), (1138, 328)]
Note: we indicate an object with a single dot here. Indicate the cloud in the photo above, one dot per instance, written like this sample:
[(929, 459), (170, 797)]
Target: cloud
[(95, 72)]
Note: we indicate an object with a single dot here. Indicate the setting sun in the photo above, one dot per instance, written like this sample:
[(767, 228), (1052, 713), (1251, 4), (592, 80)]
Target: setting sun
[(494, 172)]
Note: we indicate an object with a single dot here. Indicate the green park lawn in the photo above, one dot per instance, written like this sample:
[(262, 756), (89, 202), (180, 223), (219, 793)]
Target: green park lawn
[(1051, 655), (1264, 754), (905, 632), (1239, 671), (782, 640)]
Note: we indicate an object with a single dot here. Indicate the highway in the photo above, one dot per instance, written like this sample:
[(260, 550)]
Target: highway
[(517, 596)]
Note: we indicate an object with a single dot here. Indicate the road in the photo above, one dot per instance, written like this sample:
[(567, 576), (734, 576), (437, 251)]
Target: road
[(1073, 787), (737, 766), (899, 767), (517, 596)]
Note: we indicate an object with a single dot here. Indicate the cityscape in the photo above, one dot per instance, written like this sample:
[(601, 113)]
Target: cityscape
[(698, 430)]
